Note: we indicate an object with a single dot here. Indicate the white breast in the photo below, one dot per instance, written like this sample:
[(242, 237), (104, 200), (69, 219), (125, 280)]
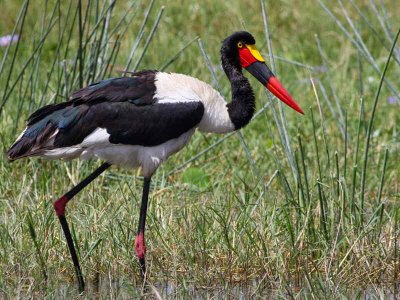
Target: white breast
[(172, 87)]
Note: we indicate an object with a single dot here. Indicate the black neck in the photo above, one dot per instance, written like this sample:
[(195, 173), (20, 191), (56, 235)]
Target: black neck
[(241, 108)]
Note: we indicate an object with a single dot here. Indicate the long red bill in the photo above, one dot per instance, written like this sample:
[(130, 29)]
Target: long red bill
[(261, 71), (276, 88)]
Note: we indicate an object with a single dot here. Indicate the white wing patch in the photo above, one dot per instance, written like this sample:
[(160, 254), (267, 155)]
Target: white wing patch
[(98, 137), (20, 136), (64, 153)]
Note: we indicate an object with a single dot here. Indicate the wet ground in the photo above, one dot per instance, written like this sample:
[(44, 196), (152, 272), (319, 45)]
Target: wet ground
[(106, 289)]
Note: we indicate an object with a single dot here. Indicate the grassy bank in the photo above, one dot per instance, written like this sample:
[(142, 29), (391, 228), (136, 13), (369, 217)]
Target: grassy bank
[(292, 206)]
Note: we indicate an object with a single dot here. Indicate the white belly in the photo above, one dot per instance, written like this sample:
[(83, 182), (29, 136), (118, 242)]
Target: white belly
[(128, 156)]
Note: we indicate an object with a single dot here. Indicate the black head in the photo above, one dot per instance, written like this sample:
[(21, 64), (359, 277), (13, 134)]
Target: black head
[(239, 51), (229, 49)]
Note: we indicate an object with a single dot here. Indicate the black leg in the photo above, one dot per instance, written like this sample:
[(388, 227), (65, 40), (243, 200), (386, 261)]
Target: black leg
[(59, 207), (70, 243), (140, 245)]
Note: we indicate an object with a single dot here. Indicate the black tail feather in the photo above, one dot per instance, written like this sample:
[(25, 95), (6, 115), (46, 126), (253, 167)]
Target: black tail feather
[(31, 143), (17, 150)]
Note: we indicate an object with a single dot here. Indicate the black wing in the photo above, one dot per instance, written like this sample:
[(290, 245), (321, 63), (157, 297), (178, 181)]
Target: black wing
[(138, 89), (129, 124)]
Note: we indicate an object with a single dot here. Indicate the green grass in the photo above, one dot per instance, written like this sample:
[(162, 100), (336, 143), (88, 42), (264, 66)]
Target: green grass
[(291, 207)]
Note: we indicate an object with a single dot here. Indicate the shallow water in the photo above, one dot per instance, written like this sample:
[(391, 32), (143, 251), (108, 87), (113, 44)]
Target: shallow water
[(122, 289)]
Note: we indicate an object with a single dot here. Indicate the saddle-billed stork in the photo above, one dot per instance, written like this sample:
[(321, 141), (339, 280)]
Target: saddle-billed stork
[(140, 121)]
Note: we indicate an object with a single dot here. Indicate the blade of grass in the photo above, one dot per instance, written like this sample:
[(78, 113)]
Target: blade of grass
[(378, 200), (23, 16), (27, 63), (80, 48), (149, 38), (175, 56), (282, 123), (20, 19), (324, 135), (359, 47), (370, 125), (32, 233), (331, 86), (140, 35)]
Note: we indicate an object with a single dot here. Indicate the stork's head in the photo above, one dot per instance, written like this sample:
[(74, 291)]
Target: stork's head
[(239, 51)]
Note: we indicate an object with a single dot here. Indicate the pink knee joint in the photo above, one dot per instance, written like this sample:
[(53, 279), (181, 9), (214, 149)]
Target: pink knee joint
[(59, 206), (140, 246)]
